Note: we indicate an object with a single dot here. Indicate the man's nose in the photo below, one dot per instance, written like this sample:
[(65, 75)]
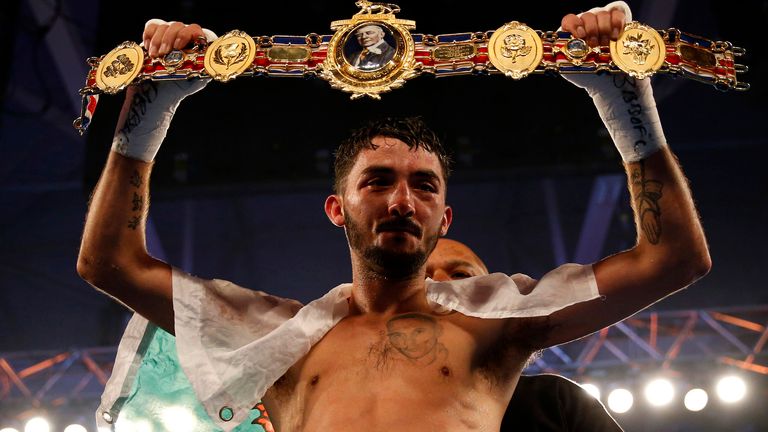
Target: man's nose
[(441, 276), (401, 201)]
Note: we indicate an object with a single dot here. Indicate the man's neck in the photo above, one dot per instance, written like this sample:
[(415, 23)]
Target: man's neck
[(375, 293)]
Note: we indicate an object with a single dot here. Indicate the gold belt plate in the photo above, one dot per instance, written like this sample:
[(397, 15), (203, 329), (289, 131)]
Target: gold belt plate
[(119, 67), (639, 51), (515, 50), (229, 56)]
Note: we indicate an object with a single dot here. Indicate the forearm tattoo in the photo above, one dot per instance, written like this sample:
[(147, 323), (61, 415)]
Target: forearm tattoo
[(647, 204), (137, 202), (135, 179)]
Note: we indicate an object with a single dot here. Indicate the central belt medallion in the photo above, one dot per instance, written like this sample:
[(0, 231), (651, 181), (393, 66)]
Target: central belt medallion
[(371, 53)]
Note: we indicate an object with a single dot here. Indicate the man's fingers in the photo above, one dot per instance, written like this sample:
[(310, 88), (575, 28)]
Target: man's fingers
[(573, 24), (590, 28), (149, 32), (617, 22), (186, 35), (169, 38), (157, 39), (604, 27)]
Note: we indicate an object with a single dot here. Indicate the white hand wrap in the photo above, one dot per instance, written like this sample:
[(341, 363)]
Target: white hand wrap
[(626, 106), (151, 112)]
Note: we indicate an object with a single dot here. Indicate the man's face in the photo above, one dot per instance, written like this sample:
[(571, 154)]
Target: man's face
[(413, 337), (369, 35), (452, 260), (393, 206)]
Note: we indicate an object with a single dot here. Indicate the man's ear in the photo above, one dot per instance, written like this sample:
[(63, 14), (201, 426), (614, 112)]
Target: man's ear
[(446, 222), (334, 210)]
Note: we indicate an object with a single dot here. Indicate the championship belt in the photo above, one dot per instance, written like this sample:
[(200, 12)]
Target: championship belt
[(375, 52)]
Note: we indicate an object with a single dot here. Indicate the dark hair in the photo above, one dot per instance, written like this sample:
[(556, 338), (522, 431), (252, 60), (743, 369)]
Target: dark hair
[(410, 130)]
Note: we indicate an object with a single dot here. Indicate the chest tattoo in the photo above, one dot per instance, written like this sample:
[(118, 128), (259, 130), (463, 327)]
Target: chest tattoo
[(411, 337)]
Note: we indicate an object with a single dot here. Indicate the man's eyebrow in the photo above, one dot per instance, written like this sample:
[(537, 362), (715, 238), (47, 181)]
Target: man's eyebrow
[(460, 263), (377, 170), (428, 174)]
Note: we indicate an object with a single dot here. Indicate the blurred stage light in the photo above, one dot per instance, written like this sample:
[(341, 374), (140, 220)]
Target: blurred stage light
[(75, 428), (104, 429), (9, 429), (659, 392), (731, 389), (696, 399), (124, 424), (592, 390), (620, 400), (37, 424), (178, 419)]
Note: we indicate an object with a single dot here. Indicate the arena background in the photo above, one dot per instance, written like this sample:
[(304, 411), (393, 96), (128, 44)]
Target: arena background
[(239, 184)]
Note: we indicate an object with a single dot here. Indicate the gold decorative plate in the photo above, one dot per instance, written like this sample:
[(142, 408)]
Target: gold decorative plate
[(371, 53), (119, 67), (515, 49), (229, 56), (639, 51)]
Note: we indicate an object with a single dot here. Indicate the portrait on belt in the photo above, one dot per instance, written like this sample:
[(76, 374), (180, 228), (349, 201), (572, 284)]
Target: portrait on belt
[(370, 46)]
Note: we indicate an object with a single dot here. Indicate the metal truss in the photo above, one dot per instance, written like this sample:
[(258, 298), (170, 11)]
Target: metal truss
[(648, 341), (666, 341), (50, 379)]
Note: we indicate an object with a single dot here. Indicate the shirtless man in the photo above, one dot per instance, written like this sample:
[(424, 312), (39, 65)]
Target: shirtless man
[(540, 403), (390, 197)]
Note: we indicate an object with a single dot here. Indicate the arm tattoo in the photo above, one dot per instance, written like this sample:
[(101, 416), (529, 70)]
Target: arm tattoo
[(136, 179), (134, 222), (138, 201), (647, 202)]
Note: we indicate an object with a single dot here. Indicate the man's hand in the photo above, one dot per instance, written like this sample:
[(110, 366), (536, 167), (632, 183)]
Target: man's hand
[(149, 107), (625, 104), (162, 37), (598, 28)]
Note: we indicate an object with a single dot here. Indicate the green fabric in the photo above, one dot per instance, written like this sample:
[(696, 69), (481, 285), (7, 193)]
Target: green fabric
[(162, 398)]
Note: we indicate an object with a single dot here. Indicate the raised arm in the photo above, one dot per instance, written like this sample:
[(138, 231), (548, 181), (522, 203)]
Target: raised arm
[(671, 251), (113, 255)]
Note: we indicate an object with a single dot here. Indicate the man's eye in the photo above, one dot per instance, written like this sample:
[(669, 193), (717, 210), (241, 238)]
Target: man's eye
[(428, 187), (460, 275)]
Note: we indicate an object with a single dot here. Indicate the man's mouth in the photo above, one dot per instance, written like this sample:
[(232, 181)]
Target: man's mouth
[(399, 225)]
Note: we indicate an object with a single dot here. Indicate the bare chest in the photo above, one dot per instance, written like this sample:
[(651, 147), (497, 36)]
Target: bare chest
[(435, 368)]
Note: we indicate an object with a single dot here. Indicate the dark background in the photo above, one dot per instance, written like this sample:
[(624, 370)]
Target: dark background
[(240, 181)]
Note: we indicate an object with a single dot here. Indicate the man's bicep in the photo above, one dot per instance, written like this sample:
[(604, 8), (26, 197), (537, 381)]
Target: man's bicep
[(626, 285), (145, 288)]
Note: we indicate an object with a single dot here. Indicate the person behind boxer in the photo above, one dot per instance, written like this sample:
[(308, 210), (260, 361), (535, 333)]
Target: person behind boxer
[(540, 403)]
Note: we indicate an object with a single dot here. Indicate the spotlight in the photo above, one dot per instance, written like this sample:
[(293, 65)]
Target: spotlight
[(731, 389), (659, 392), (592, 390), (178, 419), (620, 400), (9, 429), (124, 424), (37, 424), (696, 399), (75, 428)]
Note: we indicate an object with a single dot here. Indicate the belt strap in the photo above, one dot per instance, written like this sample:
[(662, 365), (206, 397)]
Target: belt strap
[(514, 50)]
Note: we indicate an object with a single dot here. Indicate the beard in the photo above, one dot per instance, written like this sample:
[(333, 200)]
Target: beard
[(385, 263)]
